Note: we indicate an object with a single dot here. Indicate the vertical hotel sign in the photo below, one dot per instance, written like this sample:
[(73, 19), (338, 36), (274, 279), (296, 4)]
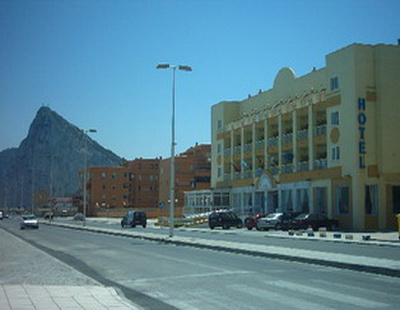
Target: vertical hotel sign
[(362, 144)]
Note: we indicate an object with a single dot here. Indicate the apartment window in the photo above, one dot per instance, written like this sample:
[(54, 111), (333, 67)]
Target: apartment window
[(114, 175), (334, 83), (219, 172), (219, 124), (335, 118), (342, 200), (104, 175), (371, 199), (219, 148)]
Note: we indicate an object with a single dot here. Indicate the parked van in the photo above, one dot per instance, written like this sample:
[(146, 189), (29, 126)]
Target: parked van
[(133, 218)]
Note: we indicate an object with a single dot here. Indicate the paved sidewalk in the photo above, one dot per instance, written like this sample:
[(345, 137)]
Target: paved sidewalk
[(49, 297), (33, 280)]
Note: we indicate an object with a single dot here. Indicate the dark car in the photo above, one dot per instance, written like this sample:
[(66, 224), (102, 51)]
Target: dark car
[(224, 219), (315, 221), (133, 218), (251, 222)]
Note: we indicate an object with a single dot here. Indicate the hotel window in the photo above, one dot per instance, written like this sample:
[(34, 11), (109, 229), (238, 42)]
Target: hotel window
[(335, 153), (335, 120), (321, 200), (371, 199), (334, 83), (342, 200)]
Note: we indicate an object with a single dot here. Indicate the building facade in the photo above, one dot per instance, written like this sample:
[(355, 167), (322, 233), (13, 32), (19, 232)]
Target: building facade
[(326, 142), (112, 190), (192, 172)]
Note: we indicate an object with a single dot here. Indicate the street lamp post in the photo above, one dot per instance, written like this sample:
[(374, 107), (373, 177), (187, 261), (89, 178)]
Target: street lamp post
[(86, 131), (172, 174)]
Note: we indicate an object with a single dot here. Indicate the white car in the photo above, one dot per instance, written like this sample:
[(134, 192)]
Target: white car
[(270, 221), (29, 221)]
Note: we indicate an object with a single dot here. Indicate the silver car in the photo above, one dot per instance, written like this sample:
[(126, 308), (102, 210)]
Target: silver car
[(29, 221), (270, 221)]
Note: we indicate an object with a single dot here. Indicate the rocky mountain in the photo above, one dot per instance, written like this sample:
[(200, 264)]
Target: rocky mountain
[(48, 161)]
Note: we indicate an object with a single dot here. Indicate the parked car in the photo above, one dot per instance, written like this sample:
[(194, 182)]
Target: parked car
[(48, 215), (133, 218), (78, 217), (315, 221), (277, 221), (251, 222), (224, 219), (1, 215), (29, 221)]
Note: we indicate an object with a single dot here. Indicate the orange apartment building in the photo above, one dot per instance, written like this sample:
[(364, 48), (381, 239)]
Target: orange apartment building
[(108, 188), (112, 190), (192, 172), (144, 183)]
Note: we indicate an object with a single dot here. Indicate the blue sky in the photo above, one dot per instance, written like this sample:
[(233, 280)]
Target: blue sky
[(93, 61)]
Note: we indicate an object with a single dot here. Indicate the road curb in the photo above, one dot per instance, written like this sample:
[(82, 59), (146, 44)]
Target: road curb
[(230, 249)]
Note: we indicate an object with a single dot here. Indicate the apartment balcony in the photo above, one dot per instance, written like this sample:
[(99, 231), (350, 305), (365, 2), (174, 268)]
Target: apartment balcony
[(287, 138), (302, 134), (273, 141), (303, 166), (320, 164), (287, 168), (320, 130), (259, 171), (227, 177), (259, 144), (237, 149), (247, 147)]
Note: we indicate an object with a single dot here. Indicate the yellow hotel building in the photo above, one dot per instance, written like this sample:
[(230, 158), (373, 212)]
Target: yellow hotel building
[(326, 142)]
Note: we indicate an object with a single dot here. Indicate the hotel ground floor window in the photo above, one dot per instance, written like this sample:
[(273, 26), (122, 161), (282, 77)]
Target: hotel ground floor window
[(287, 200), (371, 199), (396, 199), (272, 201), (342, 200), (259, 202), (302, 204), (321, 200)]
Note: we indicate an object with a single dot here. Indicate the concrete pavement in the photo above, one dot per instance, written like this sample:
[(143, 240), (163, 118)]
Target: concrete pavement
[(33, 280)]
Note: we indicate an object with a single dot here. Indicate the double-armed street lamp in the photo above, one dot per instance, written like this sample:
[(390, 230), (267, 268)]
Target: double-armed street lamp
[(172, 174), (85, 131)]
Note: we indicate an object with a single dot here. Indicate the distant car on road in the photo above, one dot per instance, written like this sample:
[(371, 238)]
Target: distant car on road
[(133, 218), (1, 215), (29, 221), (224, 219), (251, 222), (315, 221)]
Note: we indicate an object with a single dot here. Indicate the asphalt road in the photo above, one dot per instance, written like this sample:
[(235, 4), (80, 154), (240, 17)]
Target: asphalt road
[(164, 276), (266, 238)]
